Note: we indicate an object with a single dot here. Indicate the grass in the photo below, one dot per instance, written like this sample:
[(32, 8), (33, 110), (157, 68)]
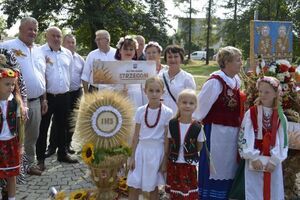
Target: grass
[(199, 68), (200, 71)]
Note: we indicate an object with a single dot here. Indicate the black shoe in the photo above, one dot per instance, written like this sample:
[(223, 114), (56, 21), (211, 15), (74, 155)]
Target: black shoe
[(50, 152), (70, 150), (34, 170), (41, 165), (67, 159)]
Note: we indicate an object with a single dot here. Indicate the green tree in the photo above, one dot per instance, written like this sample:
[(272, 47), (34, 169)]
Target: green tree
[(186, 7), (2, 27), (84, 17), (274, 10)]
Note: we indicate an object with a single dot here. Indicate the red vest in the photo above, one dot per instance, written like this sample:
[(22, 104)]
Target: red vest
[(226, 109)]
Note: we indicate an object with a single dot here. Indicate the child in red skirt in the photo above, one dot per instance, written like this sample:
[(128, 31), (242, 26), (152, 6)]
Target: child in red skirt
[(9, 140), (185, 142)]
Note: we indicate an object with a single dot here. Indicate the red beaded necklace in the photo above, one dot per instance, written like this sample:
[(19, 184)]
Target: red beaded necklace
[(157, 118)]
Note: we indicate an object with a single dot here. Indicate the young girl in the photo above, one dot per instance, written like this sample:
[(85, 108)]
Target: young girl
[(147, 161), (185, 142), (263, 143), (9, 141)]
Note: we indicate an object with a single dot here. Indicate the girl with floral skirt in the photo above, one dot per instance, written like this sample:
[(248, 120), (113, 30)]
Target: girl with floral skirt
[(9, 129), (185, 142)]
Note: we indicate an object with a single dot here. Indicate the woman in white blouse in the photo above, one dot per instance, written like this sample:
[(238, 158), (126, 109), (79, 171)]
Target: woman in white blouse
[(219, 111), (174, 78), (153, 51), (126, 51)]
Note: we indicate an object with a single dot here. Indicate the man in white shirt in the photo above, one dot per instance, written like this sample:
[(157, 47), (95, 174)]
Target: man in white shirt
[(69, 42), (59, 61), (104, 52), (33, 66)]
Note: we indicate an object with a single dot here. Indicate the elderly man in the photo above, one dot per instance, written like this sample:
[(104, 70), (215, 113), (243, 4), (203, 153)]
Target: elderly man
[(104, 53), (33, 66), (69, 42), (59, 62), (140, 52)]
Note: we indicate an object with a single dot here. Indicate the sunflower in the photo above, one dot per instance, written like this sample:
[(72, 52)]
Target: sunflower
[(60, 196), (78, 195), (88, 153)]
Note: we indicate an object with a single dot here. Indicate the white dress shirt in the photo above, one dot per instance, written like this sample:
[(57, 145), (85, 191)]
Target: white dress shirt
[(76, 72), (58, 69), (92, 56), (33, 66)]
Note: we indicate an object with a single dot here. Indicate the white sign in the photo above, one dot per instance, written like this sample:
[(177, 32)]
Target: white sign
[(122, 72)]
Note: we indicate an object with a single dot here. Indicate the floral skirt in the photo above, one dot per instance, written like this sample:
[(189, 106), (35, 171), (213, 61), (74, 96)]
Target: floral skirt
[(9, 158), (182, 181)]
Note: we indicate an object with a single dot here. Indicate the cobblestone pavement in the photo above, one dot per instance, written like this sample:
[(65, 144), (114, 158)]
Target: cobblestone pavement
[(67, 177), (62, 176)]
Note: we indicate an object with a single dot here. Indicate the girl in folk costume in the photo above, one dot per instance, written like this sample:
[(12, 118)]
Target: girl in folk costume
[(185, 142), (263, 143), (10, 144), (219, 111), (148, 161)]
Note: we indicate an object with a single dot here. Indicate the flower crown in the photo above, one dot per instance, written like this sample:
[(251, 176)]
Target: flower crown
[(127, 37), (8, 73), (272, 81), (152, 43)]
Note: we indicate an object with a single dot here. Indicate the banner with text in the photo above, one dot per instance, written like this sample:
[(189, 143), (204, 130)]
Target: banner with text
[(122, 72)]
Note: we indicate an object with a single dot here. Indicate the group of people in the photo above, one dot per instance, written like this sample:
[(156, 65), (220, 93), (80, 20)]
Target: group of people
[(47, 79), (40, 84), (169, 135)]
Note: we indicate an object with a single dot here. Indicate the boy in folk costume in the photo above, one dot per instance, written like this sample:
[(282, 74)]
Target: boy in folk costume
[(10, 144), (263, 143)]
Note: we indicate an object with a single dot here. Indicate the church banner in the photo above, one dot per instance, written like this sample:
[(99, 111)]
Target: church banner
[(270, 40), (122, 72)]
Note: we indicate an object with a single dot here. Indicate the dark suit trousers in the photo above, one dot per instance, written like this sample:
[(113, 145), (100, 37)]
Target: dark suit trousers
[(58, 107), (74, 97)]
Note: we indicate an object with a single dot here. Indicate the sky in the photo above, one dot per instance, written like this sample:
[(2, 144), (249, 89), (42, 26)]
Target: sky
[(199, 5)]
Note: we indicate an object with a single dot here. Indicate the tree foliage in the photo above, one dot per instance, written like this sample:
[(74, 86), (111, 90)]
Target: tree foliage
[(2, 27), (84, 17), (274, 10)]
